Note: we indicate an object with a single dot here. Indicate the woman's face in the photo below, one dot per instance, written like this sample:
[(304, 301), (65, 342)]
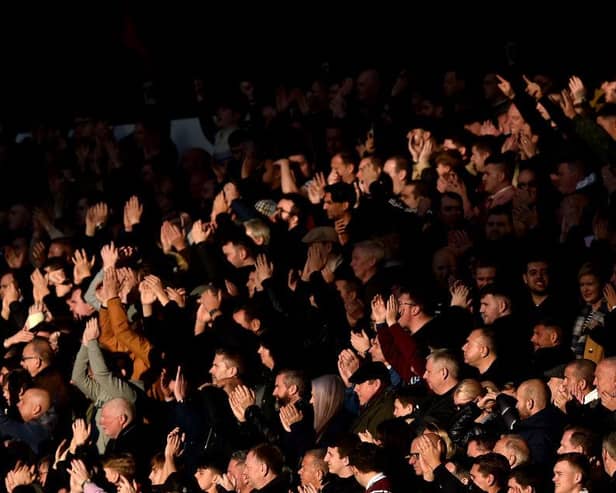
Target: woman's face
[(590, 288)]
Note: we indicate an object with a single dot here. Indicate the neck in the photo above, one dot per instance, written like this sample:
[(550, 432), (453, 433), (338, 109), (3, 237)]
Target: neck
[(367, 276), (345, 473), (364, 478), (418, 322), (265, 481), (486, 363), (446, 387), (538, 298)]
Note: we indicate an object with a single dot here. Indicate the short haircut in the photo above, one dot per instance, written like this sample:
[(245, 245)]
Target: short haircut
[(123, 463), (401, 163), (419, 295), (516, 445), (366, 457), (239, 456), (299, 379), (528, 475), (233, 359), (578, 461), (584, 369), (270, 455), (373, 247), (318, 455), (122, 408), (584, 438), (42, 348), (497, 290), (496, 465), (484, 442), (489, 338), (341, 192), (504, 164), (446, 359), (345, 443), (413, 394)]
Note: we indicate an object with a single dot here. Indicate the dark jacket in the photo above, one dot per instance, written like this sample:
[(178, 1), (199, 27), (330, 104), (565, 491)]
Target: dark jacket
[(377, 410), (36, 433), (542, 432)]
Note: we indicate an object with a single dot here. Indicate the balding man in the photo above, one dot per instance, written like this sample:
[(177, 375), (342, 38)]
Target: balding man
[(541, 424), (117, 422), (37, 359), (39, 420), (513, 448), (480, 352)]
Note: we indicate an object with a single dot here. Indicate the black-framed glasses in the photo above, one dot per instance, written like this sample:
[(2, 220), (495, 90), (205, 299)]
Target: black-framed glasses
[(412, 455), (26, 358)]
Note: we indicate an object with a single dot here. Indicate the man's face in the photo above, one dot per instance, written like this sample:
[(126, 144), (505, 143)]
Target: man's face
[(253, 470), (205, 478), (473, 348), (410, 196), (335, 463), (497, 226), (565, 179), (474, 450), (565, 478), (234, 254), (451, 211), (542, 337), (521, 404), (366, 174), (366, 391), (5, 281), (361, 262), (308, 472), (527, 180), (489, 309), (405, 309), (571, 382), (433, 375), (281, 391), (537, 277), (605, 381), (220, 370), (397, 177), (484, 276), (344, 171), (515, 487), (110, 422), (480, 480), (414, 458), (284, 209), (334, 210), (492, 178), (25, 406), (237, 470), (609, 88), (31, 361), (401, 410), (78, 307)]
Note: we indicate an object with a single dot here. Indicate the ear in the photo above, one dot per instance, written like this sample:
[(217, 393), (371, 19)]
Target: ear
[(36, 410), (293, 389), (553, 337), (491, 479), (445, 373), (233, 371), (255, 324), (530, 404), (577, 477), (525, 278)]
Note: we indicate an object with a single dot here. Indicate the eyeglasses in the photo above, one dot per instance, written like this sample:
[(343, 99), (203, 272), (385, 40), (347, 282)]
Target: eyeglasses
[(412, 455), (25, 358)]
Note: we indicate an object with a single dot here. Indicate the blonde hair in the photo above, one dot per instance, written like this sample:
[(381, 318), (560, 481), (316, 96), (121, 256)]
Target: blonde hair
[(327, 397), (468, 389)]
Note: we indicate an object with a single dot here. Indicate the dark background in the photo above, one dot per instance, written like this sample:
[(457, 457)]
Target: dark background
[(62, 61)]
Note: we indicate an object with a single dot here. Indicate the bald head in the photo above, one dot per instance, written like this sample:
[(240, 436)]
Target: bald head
[(33, 404), (533, 396)]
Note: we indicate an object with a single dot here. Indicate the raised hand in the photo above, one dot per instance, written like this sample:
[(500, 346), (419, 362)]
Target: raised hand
[(147, 295), (39, 286), (171, 237), (82, 266), (348, 363), (219, 206), (91, 332), (460, 295), (263, 269), (566, 104), (81, 433), (609, 293), (231, 192), (20, 475), (505, 87), (156, 286), (38, 254), (180, 386), (393, 310), (366, 437), (127, 486), (132, 213), (289, 415), (577, 89), (201, 231), (241, 398), (379, 312), (109, 254), (111, 286), (96, 217), (178, 295), (175, 440), (360, 342), (532, 88)]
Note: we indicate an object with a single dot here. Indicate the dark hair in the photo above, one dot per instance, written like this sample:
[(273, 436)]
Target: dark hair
[(528, 475), (341, 192), (366, 457), (345, 443), (577, 460), (270, 455), (496, 465)]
